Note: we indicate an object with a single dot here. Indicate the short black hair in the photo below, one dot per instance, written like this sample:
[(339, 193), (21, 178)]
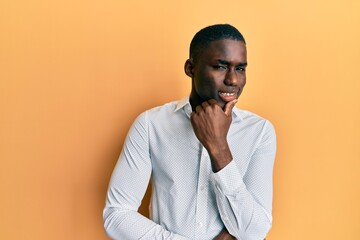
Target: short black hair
[(205, 36)]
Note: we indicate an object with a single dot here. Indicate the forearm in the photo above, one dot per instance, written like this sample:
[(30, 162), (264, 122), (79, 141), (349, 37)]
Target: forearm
[(128, 224), (244, 192), (243, 216), (125, 193), (220, 156)]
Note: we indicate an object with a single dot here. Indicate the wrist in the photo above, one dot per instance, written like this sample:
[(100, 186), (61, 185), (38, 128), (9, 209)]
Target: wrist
[(220, 156)]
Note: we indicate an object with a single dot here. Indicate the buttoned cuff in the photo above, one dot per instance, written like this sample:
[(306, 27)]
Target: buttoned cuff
[(228, 180)]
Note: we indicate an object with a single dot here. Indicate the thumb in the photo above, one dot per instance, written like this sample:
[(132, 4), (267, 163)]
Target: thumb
[(229, 106)]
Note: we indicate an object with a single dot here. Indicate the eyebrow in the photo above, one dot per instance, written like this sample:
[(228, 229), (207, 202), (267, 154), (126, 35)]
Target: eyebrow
[(221, 61)]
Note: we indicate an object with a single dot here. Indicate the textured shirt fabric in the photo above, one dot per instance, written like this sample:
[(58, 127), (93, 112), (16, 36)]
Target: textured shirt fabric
[(189, 200)]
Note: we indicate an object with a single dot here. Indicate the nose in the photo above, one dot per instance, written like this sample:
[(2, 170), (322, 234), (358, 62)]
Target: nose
[(231, 78)]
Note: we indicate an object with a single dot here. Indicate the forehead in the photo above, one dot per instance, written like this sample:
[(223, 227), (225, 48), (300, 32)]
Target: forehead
[(226, 49)]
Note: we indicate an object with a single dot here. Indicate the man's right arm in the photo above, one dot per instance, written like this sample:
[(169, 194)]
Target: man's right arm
[(127, 187)]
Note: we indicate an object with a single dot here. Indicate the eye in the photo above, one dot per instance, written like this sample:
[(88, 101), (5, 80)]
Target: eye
[(219, 67), (240, 69)]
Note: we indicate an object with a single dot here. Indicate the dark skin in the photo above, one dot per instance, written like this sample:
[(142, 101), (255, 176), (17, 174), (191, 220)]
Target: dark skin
[(218, 78)]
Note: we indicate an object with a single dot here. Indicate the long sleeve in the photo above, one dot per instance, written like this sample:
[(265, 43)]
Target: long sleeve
[(127, 187), (245, 200)]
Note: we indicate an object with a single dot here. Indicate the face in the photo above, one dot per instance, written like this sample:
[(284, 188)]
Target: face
[(218, 73)]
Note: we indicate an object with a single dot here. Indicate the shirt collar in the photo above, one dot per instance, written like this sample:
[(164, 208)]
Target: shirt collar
[(185, 104)]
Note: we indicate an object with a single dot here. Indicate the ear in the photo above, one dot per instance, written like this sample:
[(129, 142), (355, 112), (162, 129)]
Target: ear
[(189, 68)]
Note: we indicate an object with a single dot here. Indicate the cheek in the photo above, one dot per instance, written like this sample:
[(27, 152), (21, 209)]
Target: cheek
[(203, 87), (205, 83), (243, 80)]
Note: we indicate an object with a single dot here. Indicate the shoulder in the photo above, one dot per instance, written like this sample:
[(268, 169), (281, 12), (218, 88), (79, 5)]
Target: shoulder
[(248, 118), (159, 112), (167, 107)]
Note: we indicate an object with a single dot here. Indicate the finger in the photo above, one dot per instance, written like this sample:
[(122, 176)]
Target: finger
[(229, 106), (204, 104), (212, 102), (198, 108)]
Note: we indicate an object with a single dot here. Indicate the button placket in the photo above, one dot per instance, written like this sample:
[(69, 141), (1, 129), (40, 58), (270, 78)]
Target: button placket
[(202, 195)]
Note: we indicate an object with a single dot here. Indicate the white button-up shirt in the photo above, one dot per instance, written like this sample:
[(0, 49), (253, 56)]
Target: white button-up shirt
[(189, 200)]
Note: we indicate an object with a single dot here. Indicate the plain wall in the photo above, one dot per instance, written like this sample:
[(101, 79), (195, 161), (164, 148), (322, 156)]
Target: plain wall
[(75, 74)]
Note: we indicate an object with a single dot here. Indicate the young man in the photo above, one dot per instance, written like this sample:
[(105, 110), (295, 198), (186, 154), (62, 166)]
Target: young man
[(210, 163)]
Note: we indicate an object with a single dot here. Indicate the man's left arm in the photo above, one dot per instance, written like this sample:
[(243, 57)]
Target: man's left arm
[(244, 202)]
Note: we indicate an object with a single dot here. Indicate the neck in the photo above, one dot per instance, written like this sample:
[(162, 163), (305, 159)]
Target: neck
[(195, 100)]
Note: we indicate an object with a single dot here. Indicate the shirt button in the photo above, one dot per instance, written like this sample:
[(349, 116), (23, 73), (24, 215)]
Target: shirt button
[(202, 188), (199, 224)]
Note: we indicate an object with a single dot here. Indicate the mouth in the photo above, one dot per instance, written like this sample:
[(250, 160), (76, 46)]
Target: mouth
[(228, 96)]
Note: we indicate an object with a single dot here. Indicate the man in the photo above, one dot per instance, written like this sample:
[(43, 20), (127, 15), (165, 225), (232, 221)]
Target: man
[(210, 163)]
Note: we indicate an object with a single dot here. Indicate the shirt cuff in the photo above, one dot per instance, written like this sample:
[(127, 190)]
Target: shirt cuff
[(228, 180)]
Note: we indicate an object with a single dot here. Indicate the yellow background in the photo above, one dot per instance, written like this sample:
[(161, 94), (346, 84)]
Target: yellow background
[(75, 74)]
